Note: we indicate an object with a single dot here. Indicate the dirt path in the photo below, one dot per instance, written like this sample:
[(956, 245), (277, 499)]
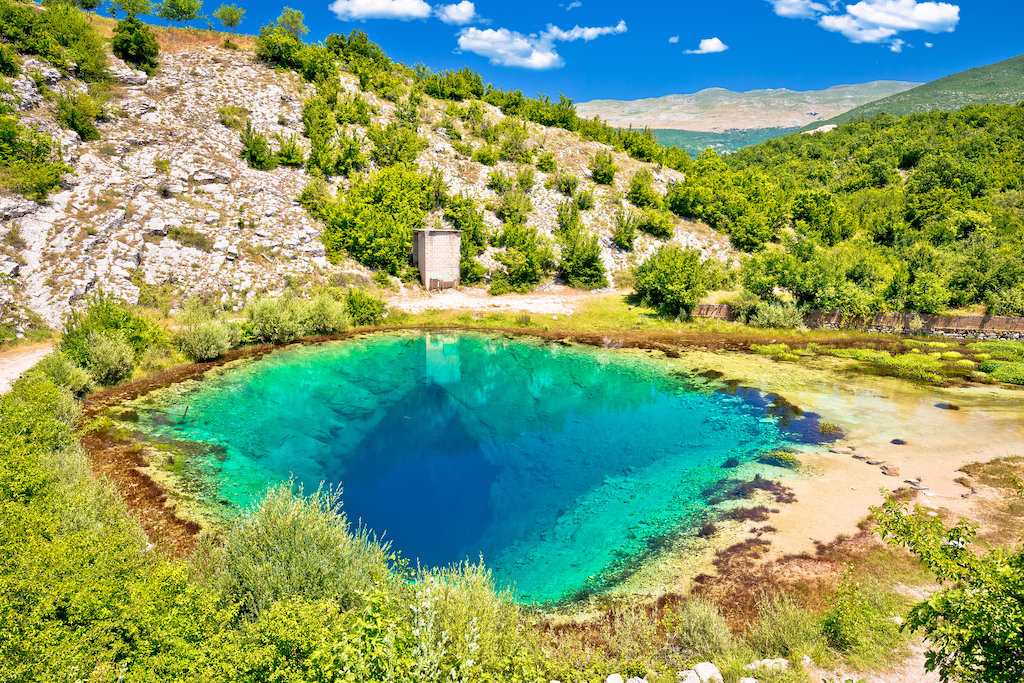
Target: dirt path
[(16, 361), (555, 301)]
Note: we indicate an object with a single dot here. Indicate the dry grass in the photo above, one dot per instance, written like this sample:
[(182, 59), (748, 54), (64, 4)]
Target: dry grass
[(172, 40)]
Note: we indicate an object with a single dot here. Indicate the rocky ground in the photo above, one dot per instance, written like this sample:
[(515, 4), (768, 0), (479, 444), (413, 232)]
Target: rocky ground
[(167, 170)]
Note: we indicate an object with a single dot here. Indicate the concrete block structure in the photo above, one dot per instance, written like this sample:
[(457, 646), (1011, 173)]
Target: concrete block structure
[(437, 254)]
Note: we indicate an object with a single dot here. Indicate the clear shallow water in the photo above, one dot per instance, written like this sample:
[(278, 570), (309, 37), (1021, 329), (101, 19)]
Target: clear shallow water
[(561, 466)]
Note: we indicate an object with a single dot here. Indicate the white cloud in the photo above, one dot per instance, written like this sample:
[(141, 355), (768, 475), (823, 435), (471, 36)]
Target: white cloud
[(674, 39), (798, 9), (573, 5), (707, 46), (511, 48), (929, 44), (587, 33), (459, 15), (874, 21), (361, 10)]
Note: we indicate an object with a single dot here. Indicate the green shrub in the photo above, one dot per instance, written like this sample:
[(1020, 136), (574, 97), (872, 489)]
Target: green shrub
[(567, 215), (65, 26), (135, 43), (1002, 371), (289, 545), (603, 168), (514, 206), (109, 357), (546, 162), (657, 223), (780, 459), (486, 155), (364, 308), (10, 65), (463, 215), (784, 629), (525, 178), (394, 144), (699, 630), (204, 341), (272, 321), (1006, 302), (858, 622), (525, 259), (585, 200), (499, 182), (233, 116), (581, 266), (105, 313), (641, 193), (64, 373), (624, 233), (277, 46), (352, 108), (512, 134), (289, 152), (78, 112), (463, 148), (1001, 350), (324, 315), (190, 238), (672, 280), (776, 314), (256, 149), (566, 183)]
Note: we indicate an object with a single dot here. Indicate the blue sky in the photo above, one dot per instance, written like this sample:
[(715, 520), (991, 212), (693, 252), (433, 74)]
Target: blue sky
[(591, 49)]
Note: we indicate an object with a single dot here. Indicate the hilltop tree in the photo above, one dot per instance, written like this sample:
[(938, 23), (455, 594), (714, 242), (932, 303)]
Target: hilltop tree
[(131, 8), (291, 21), (230, 16), (180, 10), (135, 43)]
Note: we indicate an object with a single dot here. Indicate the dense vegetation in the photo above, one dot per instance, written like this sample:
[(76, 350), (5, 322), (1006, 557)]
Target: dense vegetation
[(1000, 83), (919, 213)]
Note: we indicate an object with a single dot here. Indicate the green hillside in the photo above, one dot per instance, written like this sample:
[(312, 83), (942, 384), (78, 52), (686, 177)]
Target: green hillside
[(1000, 83)]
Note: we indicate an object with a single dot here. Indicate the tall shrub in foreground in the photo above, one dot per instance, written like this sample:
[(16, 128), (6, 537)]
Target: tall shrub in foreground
[(672, 280), (108, 314), (974, 626)]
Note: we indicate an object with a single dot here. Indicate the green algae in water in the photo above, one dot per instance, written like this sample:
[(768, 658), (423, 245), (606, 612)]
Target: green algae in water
[(559, 465)]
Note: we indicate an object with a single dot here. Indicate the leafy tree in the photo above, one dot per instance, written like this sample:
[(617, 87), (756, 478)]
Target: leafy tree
[(525, 259), (580, 265), (974, 626), (291, 20), (130, 8), (135, 43), (230, 16), (180, 10), (256, 149), (672, 279), (641, 194), (461, 212), (395, 144)]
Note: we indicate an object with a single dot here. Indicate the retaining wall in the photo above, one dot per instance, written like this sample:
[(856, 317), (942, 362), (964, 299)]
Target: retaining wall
[(955, 326)]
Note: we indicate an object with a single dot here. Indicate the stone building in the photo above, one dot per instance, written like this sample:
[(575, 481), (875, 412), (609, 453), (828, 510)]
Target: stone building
[(437, 254)]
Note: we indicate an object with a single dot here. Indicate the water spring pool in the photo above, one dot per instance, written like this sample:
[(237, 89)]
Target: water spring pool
[(562, 466)]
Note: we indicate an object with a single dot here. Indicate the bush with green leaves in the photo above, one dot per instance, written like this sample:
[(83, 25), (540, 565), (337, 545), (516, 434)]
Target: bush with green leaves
[(514, 206), (657, 223), (486, 155), (292, 545), (603, 168), (29, 162), (546, 162), (565, 182), (776, 314), (272, 321), (79, 112), (364, 308), (973, 625), (109, 357), (229, 15), (136, 44), (641, 192), (10, 65), (324, 314), (394, 144), (624, 233), (580, 265), (105, 313), (511, 135), (463, 215), (202, 336), (289, 151), (585, 200), (672, 279), (500, 182), (63, 372), (256, 149), (526, 258), (179, 10)]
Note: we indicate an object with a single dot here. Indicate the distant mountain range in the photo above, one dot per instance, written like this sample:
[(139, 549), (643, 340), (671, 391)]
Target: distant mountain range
[(1000, 83), (716, 110)]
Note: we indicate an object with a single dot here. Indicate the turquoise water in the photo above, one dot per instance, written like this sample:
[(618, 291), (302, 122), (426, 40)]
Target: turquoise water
[(562, 466), (695, 142)]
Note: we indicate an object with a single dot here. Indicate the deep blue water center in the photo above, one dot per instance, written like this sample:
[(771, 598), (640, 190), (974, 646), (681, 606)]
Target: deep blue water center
[(561, 466)]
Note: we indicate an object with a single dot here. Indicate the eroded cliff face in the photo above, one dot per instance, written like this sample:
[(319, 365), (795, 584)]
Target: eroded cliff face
[(162, 207)]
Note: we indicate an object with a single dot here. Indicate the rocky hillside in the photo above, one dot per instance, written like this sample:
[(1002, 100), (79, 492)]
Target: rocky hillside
[(162, 207), (718, 109)]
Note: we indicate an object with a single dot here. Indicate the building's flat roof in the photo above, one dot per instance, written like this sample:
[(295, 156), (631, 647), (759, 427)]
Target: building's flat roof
[(435, 230)]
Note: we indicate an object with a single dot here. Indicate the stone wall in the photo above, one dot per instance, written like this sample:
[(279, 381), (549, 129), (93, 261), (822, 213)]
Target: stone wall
[(956, 326)]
